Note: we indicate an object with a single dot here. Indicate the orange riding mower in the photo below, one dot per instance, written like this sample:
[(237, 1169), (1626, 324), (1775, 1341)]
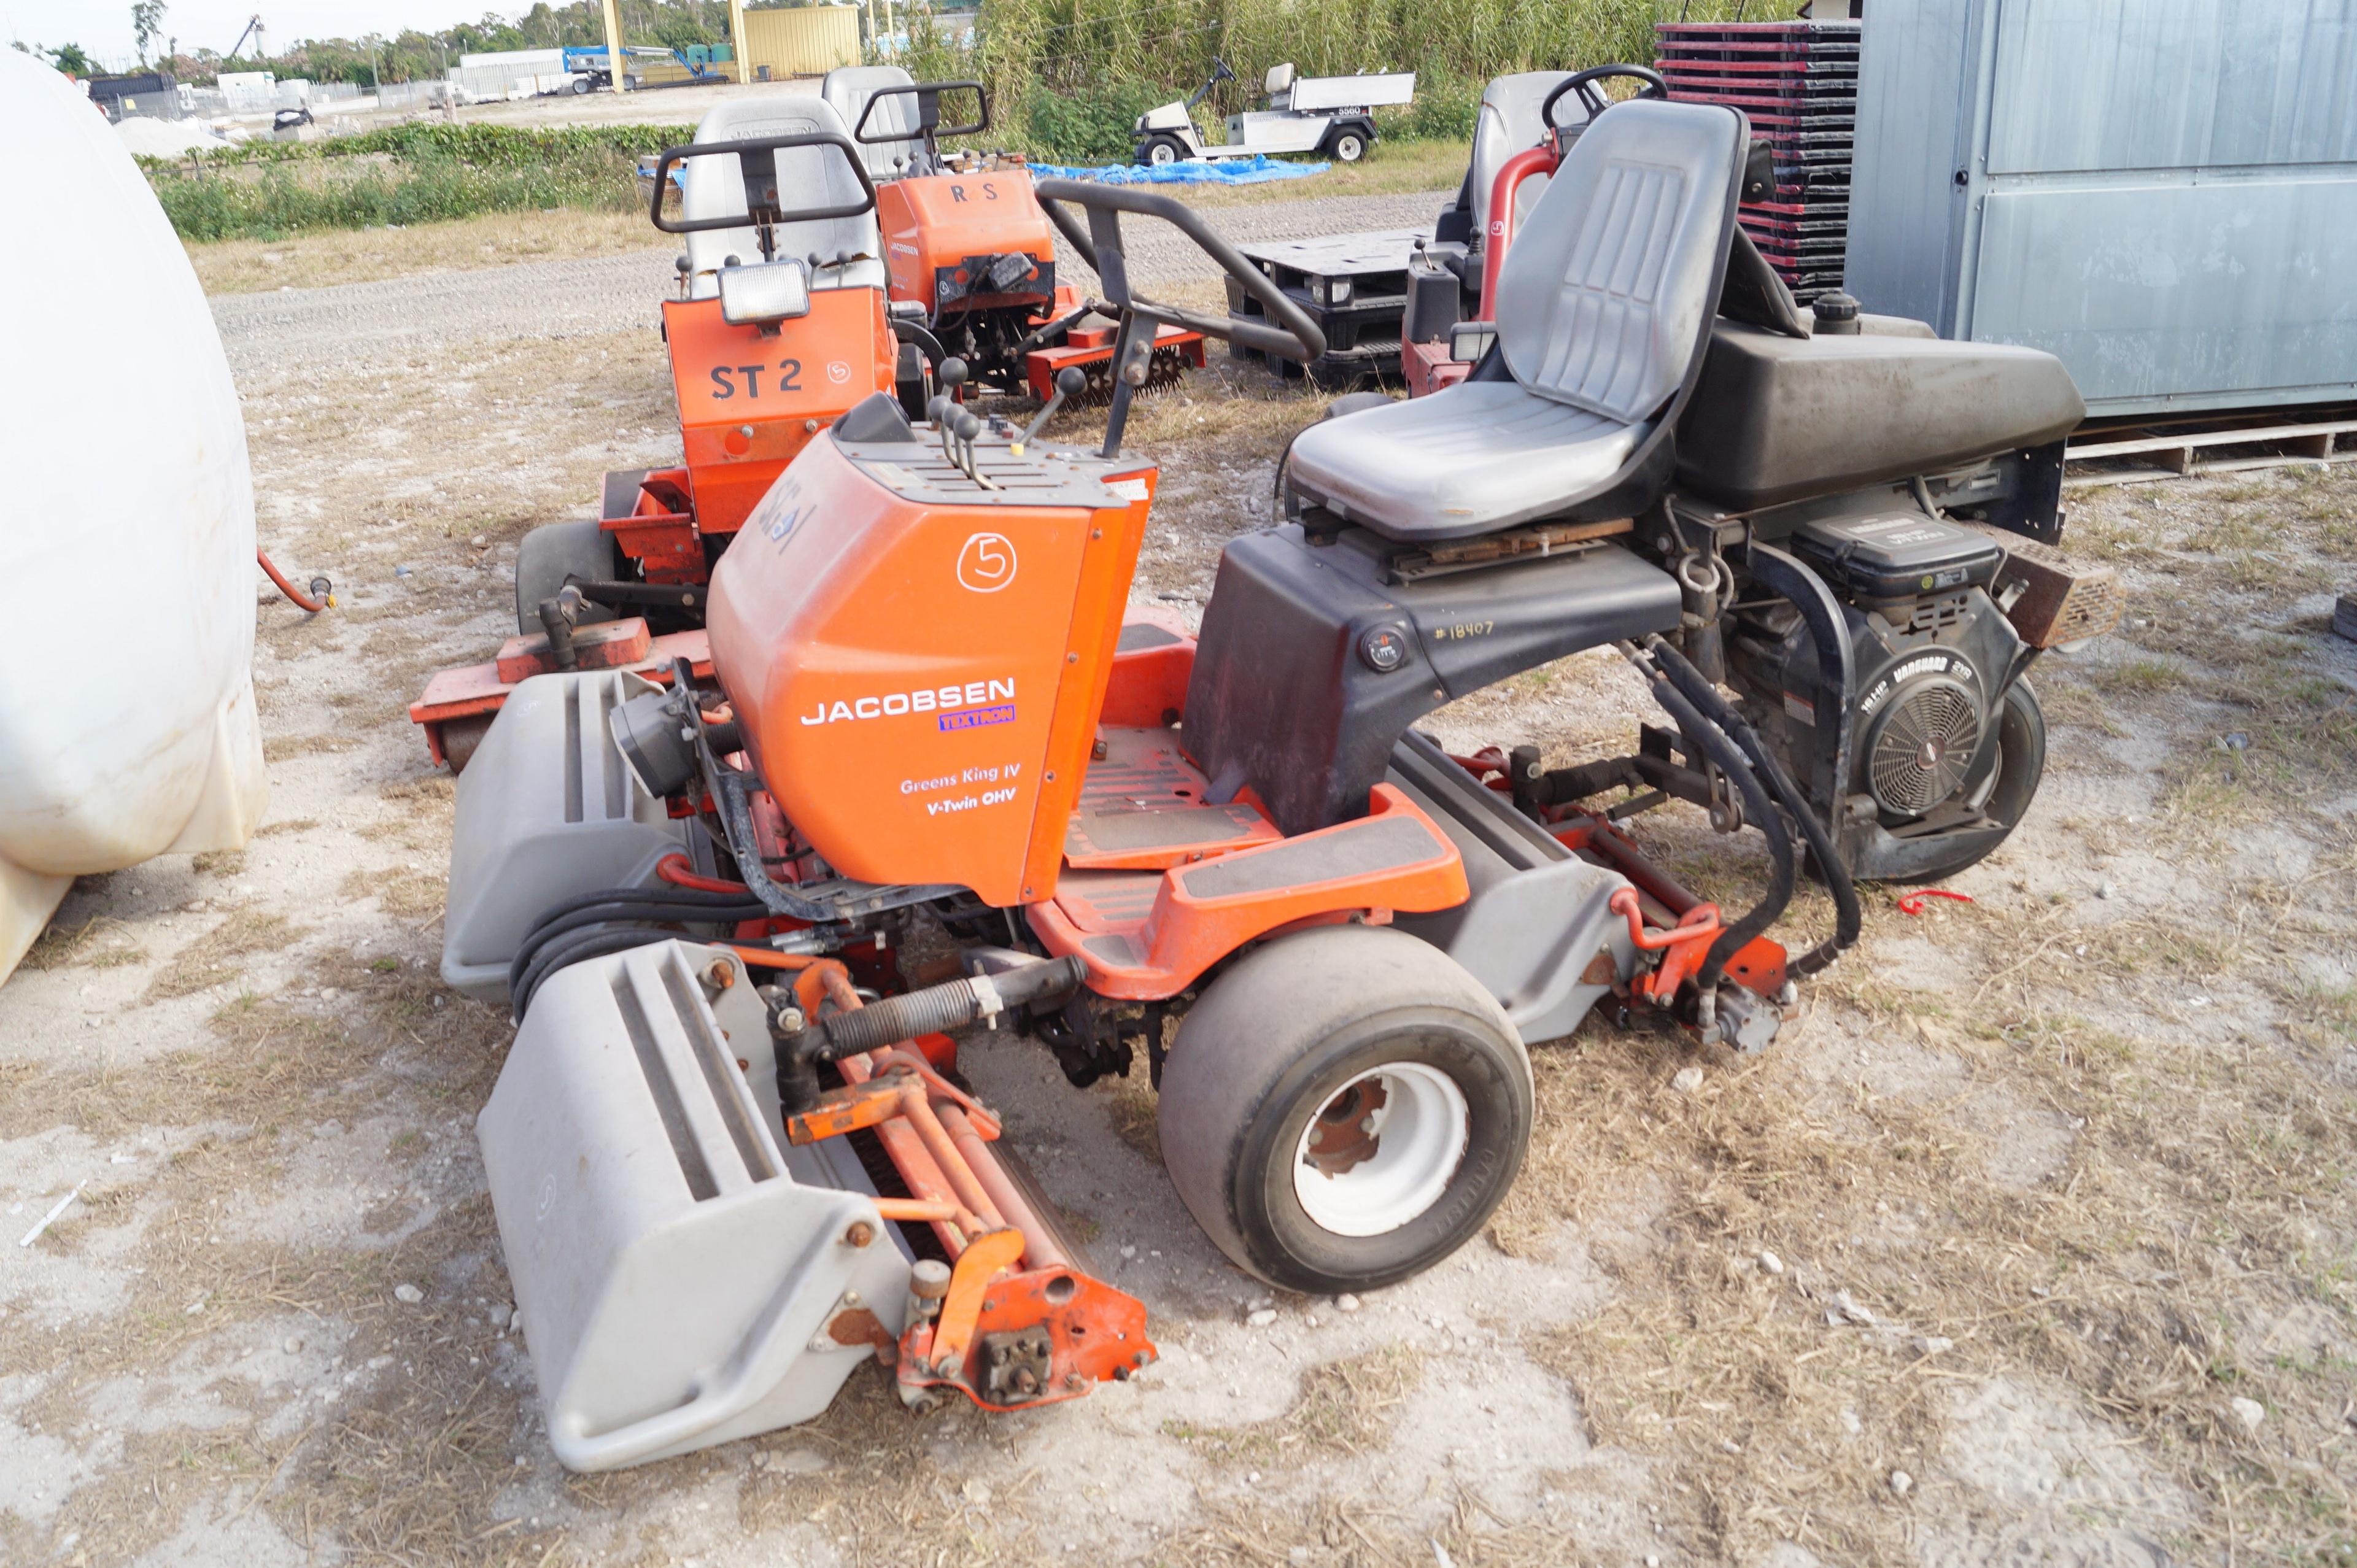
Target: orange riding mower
[(971, 253), (937, 749), (787, 318)]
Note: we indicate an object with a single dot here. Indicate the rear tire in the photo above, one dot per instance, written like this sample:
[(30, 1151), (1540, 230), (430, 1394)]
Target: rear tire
[(1347, 146), (554, 551), (1161, 151), (1343, 1108)]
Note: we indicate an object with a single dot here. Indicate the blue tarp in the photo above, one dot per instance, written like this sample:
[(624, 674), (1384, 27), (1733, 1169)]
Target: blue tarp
[(1255, 170)]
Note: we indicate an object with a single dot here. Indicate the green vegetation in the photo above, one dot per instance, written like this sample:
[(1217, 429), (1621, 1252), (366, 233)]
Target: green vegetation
[(1071, 76), (403, 174)]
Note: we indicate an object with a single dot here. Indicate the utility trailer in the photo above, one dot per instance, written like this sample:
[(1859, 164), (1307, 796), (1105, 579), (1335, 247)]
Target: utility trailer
[(1330, 114)]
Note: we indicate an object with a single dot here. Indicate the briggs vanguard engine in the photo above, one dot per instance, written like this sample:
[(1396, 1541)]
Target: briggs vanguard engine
[(1943, 742)]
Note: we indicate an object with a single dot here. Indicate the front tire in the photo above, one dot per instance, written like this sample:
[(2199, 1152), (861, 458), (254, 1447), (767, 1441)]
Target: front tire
[(1162, 151), (554, 551), (1343, 1108)]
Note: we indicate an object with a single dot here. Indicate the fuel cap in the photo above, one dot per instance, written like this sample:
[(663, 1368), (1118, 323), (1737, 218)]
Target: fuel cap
[(1385, 648)]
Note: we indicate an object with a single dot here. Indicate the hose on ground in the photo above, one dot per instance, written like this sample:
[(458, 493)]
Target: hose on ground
[(324, 590), (1738, 771), (1848, 918)]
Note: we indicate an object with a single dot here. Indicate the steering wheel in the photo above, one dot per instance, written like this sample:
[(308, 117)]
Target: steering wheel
[(1584, 83), (1288, 332)]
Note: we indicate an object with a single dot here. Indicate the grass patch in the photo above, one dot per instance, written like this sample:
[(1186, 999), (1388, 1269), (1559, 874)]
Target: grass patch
[(321, 258), (1348, 1410), (213, 959), (400, 175), (412, 894), (1390, 169), (101, 942)]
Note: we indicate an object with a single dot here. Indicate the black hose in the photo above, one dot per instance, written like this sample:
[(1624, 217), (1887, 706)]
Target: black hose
[(581, 946), (1739, 772), (1848, 918), (661, 902), (548, 930)]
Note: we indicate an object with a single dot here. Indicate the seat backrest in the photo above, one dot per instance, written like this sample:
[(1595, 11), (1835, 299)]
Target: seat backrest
[(1279, 78), (1508, 122), (847, 88), (1606, 298), (813, 176)]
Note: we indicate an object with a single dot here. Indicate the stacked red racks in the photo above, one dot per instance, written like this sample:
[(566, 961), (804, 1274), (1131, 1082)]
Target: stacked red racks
[(1798, 83)]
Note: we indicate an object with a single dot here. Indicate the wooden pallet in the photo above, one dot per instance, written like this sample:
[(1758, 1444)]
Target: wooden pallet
[(2139, 455)]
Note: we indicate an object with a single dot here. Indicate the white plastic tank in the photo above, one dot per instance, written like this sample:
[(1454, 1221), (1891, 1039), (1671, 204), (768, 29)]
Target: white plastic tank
[(127, 726)]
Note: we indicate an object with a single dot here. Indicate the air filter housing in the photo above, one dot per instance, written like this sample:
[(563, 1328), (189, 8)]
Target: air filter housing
[(1892, 557)]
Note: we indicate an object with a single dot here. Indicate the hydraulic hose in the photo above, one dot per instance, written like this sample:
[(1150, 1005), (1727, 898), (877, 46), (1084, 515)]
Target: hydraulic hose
[(1738, 771), (575, 948), (537, 939), (1848, 919)]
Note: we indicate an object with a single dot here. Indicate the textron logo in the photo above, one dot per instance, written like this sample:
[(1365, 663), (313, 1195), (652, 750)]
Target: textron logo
[(969, 706), (987, 564)]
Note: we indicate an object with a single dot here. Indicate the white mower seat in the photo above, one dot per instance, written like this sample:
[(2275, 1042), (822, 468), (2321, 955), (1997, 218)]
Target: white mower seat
[(816, 177), (848, 88), (1508, 122), (1604, 310)]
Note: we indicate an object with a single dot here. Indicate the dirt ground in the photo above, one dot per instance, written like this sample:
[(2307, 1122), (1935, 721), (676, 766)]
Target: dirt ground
[(2031, 1243)]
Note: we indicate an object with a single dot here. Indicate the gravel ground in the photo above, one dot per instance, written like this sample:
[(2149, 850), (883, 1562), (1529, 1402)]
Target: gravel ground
[(2030, 1241), (613, 293)]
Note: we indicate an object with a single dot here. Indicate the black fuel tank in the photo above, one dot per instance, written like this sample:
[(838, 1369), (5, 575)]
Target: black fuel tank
[(1774, 419)]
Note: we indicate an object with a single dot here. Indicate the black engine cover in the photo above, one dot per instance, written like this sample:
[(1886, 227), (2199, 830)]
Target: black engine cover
[(1311, 664)]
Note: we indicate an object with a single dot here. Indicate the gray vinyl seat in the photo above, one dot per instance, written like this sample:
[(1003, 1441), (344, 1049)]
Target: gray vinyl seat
[(1508, 122), (813, 176), (1604, 310), (847, 90)]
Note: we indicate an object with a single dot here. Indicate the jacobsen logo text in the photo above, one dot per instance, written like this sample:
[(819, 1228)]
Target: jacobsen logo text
[(933, 699)]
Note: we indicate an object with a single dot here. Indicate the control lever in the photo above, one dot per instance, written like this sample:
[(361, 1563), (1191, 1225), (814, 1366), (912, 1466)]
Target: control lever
[(943, 407), (1071, 381), (969, 425)]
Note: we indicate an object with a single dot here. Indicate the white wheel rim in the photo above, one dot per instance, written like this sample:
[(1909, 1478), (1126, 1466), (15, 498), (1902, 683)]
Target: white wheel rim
[(1162, 154), (1413, 1143)]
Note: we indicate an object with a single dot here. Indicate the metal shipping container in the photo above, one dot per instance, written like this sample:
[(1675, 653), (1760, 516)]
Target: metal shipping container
[(2162, 192)]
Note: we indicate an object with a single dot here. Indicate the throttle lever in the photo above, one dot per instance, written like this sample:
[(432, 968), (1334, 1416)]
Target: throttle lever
[(1071, 381)]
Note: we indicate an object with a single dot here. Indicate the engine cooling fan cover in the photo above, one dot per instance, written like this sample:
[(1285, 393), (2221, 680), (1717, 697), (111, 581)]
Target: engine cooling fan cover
[(1925, 720)]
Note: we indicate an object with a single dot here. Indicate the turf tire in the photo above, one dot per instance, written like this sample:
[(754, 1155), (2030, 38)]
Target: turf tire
[(1270, 1044), (553, 552)]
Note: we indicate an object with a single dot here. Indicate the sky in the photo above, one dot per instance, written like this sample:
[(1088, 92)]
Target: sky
[(103, 26)]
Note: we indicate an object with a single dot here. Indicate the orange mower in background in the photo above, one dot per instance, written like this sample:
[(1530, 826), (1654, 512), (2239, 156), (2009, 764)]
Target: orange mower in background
[(969, 247), (942, 780), (781, 322)]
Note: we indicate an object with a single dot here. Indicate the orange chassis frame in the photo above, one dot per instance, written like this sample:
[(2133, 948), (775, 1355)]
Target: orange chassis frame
[(1015, 1305)]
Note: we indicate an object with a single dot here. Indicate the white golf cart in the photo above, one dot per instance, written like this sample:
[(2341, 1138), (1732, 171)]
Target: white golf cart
[(1330, 114)]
